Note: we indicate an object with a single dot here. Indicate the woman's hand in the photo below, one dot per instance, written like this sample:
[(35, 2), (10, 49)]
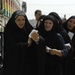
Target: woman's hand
[(35, 36), (52, 51), (29, 41), (68, 46), (56, 52)]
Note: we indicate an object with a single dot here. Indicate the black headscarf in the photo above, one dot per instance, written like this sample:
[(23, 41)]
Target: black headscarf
[(11, 25), (11, 29), (49, 36), (60, 30), (57, 17), (65, 25), (42, 29)]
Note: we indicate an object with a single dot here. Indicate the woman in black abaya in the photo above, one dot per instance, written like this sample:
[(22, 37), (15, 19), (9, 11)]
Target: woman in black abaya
[(22, 55), (56, 49), (69, 26)]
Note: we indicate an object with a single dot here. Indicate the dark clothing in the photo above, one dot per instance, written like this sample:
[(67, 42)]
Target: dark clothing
[(53, 40), (73, 43), (19, 58), (68, 64), (59, 27), (69, 61), (54, 63), (64, 34)]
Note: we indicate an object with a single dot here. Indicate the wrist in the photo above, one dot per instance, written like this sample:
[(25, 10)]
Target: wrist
[(48, 49)]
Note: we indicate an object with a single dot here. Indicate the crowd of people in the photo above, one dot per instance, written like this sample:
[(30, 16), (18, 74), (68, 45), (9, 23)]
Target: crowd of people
[(43, 46)]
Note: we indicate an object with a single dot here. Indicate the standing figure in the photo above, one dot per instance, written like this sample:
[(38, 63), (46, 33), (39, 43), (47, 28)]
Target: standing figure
[(34, 22), (69, 26), (23, 55), (55, 46)]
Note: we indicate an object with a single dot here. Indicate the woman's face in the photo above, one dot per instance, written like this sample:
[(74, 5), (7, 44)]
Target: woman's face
[(20, 21), (48, 24), (71, 24)]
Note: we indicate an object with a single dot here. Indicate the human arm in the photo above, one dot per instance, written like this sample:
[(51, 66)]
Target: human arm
[(61, 51)]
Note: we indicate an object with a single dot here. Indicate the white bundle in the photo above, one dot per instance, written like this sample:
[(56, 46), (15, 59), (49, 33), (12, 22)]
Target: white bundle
[(32, 32)]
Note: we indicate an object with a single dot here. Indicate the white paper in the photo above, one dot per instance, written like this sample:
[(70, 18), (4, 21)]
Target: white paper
[(70, 35), (32, 32)]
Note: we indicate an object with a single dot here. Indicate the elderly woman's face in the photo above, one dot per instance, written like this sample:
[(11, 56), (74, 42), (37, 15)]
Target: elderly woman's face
[(48, 24), (20, 21), (71, 24)]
